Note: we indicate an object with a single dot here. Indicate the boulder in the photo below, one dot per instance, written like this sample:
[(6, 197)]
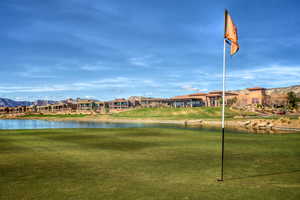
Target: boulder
[(254, 123), (238, 117), (284, 120), (246, 123), (262, 125), (193, 121), (270, 126)]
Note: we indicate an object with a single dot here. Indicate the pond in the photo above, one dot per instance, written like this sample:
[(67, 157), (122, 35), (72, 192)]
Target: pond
[(45, 124)]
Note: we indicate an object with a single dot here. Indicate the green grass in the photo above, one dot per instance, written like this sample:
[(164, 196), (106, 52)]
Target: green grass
[(146, 164), (294, 117), (54, 115), (181, 113)]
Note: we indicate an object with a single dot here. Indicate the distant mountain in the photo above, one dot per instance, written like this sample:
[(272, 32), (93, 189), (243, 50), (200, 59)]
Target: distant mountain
[(281, 90), (43, 102), (4, 102), (285, 90)]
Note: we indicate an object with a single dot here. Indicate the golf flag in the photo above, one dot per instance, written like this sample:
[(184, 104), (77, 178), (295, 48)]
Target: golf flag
[(231, 33)]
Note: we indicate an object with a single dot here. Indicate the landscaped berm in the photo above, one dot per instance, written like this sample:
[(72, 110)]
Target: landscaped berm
[(146, 164)]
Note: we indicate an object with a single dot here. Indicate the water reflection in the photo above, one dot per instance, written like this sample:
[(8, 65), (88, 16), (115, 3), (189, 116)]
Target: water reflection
[(44, 124)]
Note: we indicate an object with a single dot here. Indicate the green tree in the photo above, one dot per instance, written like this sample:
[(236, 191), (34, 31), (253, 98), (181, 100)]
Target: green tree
[(292, 100), (231, 101)]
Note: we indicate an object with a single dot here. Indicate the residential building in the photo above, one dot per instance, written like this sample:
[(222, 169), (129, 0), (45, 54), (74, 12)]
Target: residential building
[(214, 98), (252, 96), (118, 104), (85, 104), (190, 100)]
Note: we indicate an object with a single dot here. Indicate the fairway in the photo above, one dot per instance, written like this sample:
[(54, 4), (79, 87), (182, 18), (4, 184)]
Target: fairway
[(146, 164)]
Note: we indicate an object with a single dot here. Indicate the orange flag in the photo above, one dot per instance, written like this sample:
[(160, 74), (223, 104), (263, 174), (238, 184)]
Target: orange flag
[(231, 33)]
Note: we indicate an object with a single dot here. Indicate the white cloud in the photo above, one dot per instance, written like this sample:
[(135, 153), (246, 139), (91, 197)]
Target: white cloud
[(36, 72), (90, 97), (275, 75), (108, 83), (268, 71), (113, 80), (14, 89), (271, 76), (145, 61), (268, 76), (191, 88), (138, 62), (96, 67)]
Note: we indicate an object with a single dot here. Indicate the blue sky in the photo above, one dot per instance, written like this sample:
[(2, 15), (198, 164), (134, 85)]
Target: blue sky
[(55, 49)]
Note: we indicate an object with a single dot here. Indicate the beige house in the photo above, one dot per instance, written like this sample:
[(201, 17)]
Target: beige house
[(99, 106), (85, 104), (118, 104), (252, 96), (214, 98), (190, 100), (3, 110), (277, 100)]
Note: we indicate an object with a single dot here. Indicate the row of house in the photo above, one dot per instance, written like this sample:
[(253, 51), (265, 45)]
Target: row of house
[(71, 106), (250, 96), (241, 98)]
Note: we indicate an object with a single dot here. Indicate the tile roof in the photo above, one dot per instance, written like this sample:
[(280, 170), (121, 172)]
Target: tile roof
[(187, 97), (84, 101), (120, 100), (256, 88), (219, 93), (198, 94)]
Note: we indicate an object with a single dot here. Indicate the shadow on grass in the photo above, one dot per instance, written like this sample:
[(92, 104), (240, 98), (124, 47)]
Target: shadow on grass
[(121, 145), (104, 142), (264, 175), (9, 146), (145, 133)]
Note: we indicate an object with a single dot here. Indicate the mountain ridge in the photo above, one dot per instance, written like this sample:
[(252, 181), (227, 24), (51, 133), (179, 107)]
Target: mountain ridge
[(5, 102)]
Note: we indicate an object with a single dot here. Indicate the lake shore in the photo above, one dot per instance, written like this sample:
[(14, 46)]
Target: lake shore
[(250, 125)]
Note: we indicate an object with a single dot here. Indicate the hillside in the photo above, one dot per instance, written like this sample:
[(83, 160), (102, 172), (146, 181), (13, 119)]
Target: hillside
[(281, 90), (284, 90), (4, 102)]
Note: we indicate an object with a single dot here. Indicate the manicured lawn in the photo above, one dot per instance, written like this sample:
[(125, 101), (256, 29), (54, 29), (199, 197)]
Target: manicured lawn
[(181, 113), (146, 163)]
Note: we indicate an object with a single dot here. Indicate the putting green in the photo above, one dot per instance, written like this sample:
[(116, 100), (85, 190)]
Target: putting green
[(146, 163)]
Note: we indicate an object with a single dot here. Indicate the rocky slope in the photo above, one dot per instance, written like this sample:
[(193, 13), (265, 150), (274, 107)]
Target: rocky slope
[(269, 91), (284, 90), (4, 102)]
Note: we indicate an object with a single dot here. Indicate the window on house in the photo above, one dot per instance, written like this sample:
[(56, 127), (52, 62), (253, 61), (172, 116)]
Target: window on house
[(255, 101)]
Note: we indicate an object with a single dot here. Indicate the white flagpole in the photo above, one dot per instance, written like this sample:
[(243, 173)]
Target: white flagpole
[(232, 38), (223, 95), (223, 109), (224, 78)]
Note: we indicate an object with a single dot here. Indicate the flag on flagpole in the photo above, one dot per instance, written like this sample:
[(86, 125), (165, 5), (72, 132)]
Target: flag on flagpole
[(231, 34), (231, 37)]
